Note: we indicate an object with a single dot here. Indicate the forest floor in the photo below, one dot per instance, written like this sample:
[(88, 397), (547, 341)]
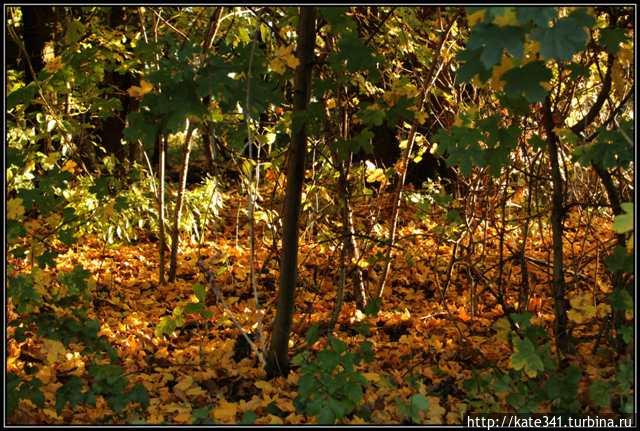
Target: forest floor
[(417, 332)]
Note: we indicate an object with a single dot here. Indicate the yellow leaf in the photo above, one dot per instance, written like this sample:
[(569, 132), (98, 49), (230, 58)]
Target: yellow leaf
[(145, 86), (277, 66), (421, 117), (603, 310), (184, 383), (285, 405), (376, 174), (283, 57), (69, 166), (505, 65), (406, 315), (225, 411), (331, 103), (183, 417), (275, 420), (138, 92), (436, 412), (292, 61), (55, 350), (54, 219), (15, 209), (372, 377), (476, 17), (265, 386), (195, 391), (50, 160), (582, 308)]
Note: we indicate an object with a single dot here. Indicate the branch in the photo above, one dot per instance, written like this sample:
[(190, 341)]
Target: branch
[(602, 97)]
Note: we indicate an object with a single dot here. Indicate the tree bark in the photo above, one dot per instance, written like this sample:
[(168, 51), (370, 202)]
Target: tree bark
[(557, 215), (175, 233), (277, 356)]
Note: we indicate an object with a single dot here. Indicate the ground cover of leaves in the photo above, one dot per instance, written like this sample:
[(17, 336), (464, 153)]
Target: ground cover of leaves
[(200, 371)]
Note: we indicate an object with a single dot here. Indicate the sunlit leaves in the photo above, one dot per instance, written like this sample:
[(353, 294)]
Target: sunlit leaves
[(582, 308), (15, 209), (283, 58)]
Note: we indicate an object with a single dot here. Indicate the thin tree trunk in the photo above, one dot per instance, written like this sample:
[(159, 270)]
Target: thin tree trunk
[(277, 356), (254, 186), (175, 233), (557, 215), (397, 197), (352, 246), (434, 71), (161, 156), (208, 149)]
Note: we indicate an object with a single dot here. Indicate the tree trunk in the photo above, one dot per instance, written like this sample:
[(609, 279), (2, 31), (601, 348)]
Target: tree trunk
[(161, 142), (277, 356), (175, 234), (557, 215)]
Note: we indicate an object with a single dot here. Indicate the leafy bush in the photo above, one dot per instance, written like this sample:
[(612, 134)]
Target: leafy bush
[(330, 388)]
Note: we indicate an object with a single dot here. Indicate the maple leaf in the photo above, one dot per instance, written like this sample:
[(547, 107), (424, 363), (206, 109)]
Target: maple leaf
[(582, 308), (69, 166), (138, 92), (435, 413), (55, 350), (225, 411), (15, 209), (283, 58), (506, 64)]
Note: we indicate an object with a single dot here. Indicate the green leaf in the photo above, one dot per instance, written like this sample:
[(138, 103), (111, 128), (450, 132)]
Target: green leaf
[(611, 38), (522, 320), (619, 261), (312, 334), (328, 360), (492, 40), (193, 307), (599, 393), (248, 418), (566, 38), (526, 358), (166, 326), (525, 80), (66, 236), (621, 300), (70, 392), (22, 96), (623, 223), (139, 394), (419, 403), (337, 345), (471, 66), (200, 291)]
